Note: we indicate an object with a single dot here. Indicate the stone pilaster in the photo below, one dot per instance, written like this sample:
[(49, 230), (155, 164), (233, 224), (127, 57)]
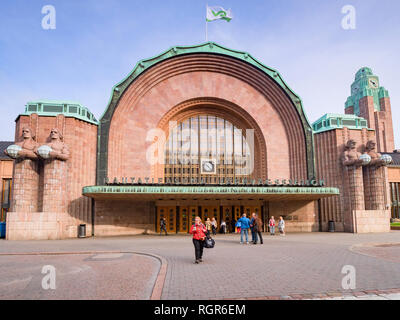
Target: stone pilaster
[(354, 194), (25, 189), (55, 185), (374, 187)]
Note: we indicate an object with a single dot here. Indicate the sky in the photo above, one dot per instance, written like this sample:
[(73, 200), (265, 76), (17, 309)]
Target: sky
[(96, 44)]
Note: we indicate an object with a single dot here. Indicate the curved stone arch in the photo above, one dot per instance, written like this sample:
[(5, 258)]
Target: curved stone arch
[(208, 47), (225, 110), (263, 79)]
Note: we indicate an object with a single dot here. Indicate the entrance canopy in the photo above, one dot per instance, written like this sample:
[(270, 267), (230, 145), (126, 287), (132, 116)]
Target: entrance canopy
[(208, 192)]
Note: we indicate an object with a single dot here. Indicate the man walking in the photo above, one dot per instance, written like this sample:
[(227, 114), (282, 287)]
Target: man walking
[(163, 226), (244, 228), (252, 223), (258, 228)]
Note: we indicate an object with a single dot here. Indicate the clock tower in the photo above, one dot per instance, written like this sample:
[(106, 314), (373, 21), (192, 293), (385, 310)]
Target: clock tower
[(371, 101)]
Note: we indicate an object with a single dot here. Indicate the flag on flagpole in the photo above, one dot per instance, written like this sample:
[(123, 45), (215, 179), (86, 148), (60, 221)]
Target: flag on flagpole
[(216, 12)]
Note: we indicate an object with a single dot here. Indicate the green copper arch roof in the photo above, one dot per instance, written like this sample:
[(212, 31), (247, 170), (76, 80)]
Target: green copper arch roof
[(208, 47)]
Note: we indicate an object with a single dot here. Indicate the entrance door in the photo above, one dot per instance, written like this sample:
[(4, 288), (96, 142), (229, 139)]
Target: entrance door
[(169, 213), (193, 213), (210, 212), (186, 218), (227, 217), (249, 211), (236, 214)]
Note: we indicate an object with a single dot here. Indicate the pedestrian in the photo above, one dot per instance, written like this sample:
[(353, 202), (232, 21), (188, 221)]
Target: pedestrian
[(199, 231), (233, 226), (258, 227), (163, 226), (214, 226), (281, 226), (244, 228), (252, 223), (272, 226), (238, 225), (223, 227), (209, 225)]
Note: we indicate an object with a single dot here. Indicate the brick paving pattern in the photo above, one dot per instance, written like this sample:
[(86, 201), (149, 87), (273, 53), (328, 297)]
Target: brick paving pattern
[(79, 276), (298, 266)]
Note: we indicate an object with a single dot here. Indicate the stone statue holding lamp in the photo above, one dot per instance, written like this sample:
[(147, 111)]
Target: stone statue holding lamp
[(351, 157), (55, 149), (376, 158), (25, 149)]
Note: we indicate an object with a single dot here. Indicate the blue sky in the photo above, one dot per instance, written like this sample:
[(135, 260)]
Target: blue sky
[(96, 43)]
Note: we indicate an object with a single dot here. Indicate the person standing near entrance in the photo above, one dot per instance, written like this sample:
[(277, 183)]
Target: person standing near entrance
[(252, 223), (208, 225), (272, 226), (199, 231), (214, 226), (163, 226), (233, 225), (258, 228), (244, 228), (281, 226), (223, 227)]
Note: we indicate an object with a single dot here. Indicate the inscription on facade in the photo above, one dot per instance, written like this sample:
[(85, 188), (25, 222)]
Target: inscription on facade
[(217, 182)]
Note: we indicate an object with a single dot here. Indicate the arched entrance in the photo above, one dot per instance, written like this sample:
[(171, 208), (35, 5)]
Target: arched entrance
[(207, 71), (202, 88), (213, 129)]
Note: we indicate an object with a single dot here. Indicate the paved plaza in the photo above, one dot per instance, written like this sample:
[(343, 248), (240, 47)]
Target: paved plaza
[(301, 266)]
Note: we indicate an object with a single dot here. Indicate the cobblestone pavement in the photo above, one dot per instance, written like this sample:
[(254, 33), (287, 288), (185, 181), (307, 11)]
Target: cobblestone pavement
[(79, 276), (304, 266), (384, 296)]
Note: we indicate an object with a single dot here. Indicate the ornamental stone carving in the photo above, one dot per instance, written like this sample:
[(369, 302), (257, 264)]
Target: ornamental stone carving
[(350, 156), (55, 149), (375, 156), (24, 149)]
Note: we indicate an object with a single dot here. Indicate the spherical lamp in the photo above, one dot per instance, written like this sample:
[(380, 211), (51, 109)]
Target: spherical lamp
[(13, 150), (366, 159), (386, 159), (44, 151)]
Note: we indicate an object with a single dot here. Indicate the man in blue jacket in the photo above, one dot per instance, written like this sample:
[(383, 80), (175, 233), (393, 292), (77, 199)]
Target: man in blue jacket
[(245, 225)]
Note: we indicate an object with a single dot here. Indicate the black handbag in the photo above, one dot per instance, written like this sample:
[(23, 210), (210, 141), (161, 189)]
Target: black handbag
[(209, 242)]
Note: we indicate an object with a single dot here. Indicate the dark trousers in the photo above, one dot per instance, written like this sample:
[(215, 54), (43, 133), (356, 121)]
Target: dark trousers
[(253, 235), (259, 234), (163, 228), (198, 248)]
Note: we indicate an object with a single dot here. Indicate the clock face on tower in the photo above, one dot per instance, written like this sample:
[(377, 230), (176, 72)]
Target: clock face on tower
[(208, 166), (373, 83)]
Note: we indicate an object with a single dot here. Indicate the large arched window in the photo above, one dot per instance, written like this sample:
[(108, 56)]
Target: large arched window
[(210, 148)]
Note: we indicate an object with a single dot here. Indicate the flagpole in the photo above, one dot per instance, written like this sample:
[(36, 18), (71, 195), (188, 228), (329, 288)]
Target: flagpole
[(206, 24)]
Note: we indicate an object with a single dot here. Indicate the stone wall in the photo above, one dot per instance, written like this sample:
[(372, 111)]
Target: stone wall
[(329, 146), (40, 226), (394, 174), (124, 217), (65, 209), (368, 221), (300, 216)]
